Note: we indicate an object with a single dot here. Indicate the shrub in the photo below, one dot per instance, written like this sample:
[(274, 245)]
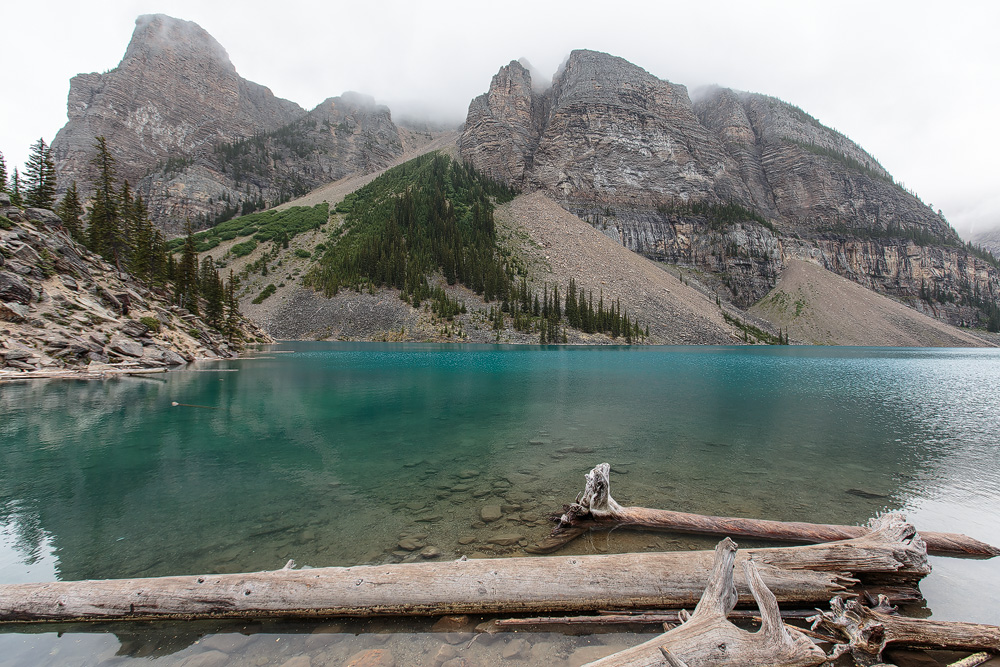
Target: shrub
[(302, 252), (266, 292), (244, 249), (151, 322)]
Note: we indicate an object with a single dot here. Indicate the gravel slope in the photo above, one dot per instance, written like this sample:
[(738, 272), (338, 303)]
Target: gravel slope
[(819, 307)]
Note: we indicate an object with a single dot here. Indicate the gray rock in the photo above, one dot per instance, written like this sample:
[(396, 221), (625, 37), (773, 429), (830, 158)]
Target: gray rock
[(505, 539), (490, 513), (13, 288), (13, 312), (134, 328), (44, 216), (125, 347)]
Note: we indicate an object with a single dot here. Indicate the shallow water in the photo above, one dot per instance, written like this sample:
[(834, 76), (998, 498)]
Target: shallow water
[(334, 454)]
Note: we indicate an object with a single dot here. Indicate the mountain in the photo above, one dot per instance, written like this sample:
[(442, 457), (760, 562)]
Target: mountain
[(198, 141), (988, 240), (735, 184)]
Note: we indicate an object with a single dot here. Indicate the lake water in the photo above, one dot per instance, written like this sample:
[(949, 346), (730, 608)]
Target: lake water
[(334, 453)]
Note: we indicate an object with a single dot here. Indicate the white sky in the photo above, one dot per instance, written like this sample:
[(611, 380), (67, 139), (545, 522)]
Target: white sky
[(915, 83)]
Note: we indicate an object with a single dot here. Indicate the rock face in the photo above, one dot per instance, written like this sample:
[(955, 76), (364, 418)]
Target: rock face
[(735, 184), (199, 141), (64, 307)]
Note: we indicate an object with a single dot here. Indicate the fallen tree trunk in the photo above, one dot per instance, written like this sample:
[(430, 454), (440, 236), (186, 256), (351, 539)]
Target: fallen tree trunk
[(709, 639), (799, 576), (596, 509), (590, 623), (868, 630)]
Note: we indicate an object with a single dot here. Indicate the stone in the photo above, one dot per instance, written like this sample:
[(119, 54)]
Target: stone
[(409, 544), (14, 289), (43, 216), (505, 539), (378, 657), (468, 474), (466, 539), (125, 347), (13, 312), (445, 653), (456, 662), (133, 328), (452, 623), (490, 513), (516, 648), (430, 552)]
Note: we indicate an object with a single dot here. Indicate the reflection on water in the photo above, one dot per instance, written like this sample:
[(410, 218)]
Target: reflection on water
[(342, 454)]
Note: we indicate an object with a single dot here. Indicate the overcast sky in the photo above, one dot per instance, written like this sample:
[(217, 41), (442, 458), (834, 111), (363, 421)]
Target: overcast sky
[(915, 83)]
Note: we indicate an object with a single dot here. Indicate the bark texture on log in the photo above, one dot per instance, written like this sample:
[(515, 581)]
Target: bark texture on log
[(707, 638), (799, 576), (868, 630), (596, 509)]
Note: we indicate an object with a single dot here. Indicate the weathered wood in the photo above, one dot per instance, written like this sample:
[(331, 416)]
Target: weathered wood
[(83, 374), (708, 638), (798, 576), (596, 509), (869, 630), (589, 623)]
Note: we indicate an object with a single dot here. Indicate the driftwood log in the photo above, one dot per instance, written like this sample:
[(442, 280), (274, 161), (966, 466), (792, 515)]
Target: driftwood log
[(868, 630), (596, 509), (708, 638), (802, 576)]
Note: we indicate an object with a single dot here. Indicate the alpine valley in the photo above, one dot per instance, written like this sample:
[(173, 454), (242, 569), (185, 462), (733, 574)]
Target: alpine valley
[(606, 206)]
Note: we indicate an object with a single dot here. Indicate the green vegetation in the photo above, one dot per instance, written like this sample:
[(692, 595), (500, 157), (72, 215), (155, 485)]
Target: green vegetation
[(754, 334), (152, 323), (280, 226), (719, 215), (430, 214), (40, 179), (303, 253), (266, 292), (5, 223)]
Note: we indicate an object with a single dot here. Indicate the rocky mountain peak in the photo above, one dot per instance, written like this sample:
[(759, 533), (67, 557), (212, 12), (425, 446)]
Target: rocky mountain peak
[(162, 36)]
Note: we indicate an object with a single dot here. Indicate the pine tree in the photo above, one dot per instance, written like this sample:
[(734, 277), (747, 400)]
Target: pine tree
[(3, 174), (71, 212), (213, 292), (40, 179), (186, 280), (105, 226), (16, 197), (232, 309)]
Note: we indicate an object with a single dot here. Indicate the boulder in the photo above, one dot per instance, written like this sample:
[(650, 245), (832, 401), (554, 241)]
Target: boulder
[(13, 312), (125, 347), (13, 288), (490, 513), (44, 216), (134, 329)]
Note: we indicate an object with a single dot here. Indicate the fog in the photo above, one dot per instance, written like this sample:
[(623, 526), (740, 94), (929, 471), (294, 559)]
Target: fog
[(910, 82)]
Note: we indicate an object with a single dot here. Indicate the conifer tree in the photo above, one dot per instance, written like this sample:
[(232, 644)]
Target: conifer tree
[(71, 212), (232, 309), (16, 197), (105, 226), (186, 280), (3, 174), (40, 179)]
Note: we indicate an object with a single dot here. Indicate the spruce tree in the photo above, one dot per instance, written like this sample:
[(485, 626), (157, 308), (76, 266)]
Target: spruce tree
[(3, 174), (40, 179), (15, 189), (186, 280), (105, 226), (71, 212)]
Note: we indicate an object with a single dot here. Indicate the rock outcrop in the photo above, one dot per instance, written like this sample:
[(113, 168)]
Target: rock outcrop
[(198, 141), (64, 307), (735, 184)]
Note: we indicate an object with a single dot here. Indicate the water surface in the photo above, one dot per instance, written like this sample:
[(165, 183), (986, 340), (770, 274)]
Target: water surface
[(334, 454)]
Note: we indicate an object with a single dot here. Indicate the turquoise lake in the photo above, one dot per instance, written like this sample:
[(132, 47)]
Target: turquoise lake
[(334, 453)]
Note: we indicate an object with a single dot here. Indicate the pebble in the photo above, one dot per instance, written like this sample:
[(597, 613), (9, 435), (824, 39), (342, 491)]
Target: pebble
[(506, 539), (429, 552), (378, 657), (445, 653), (517, 648), (468, 474), (409, 544), (452, 623), (490, 513), (466, 539)]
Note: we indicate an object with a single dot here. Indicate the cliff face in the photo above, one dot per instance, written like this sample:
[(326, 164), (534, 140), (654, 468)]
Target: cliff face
[(735, 184), (173, 106)]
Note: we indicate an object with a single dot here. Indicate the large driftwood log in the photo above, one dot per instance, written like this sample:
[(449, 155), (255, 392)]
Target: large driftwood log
[(799, 576), (596, 509), (868, 630), (708, 638)]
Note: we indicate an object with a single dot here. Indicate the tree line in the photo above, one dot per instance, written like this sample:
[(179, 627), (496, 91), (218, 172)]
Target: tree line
[(117, 227)]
